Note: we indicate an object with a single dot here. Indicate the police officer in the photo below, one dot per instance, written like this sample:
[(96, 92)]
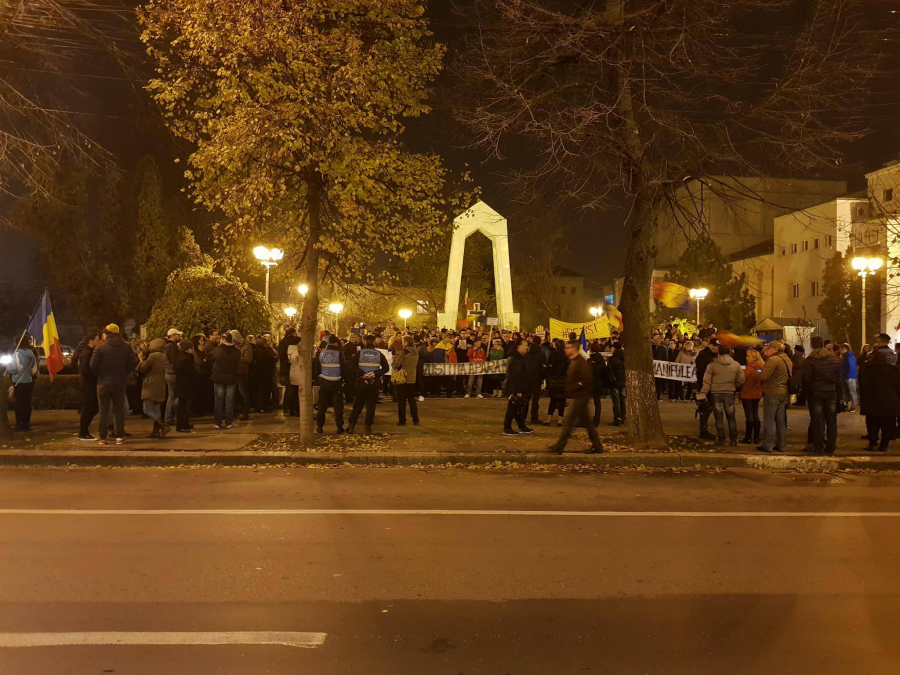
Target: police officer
[(369, 365), (329, 368)]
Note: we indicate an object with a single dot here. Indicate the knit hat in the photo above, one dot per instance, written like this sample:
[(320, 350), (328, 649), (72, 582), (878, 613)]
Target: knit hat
[(112, 328), (236, 336)]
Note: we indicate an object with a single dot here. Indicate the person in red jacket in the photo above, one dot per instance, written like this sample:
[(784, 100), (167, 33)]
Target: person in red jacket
[(475, 354)]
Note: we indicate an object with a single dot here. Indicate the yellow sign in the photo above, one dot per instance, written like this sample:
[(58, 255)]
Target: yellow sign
[(599, 328)]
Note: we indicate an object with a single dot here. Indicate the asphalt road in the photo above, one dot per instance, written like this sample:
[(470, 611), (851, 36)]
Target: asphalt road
[(405, 571)]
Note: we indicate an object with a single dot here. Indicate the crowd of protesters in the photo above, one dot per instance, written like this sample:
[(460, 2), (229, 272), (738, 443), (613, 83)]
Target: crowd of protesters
[(173, 379)]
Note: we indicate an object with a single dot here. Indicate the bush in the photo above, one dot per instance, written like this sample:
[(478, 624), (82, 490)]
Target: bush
[(64, 393)]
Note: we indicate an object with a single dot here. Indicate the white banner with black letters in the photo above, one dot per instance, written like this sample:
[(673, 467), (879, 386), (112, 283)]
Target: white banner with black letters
[(484, 368), (668, 370)]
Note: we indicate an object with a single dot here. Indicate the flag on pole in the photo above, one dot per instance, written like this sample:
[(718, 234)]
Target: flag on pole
[(468, 302), (584, 344), (43, 329)]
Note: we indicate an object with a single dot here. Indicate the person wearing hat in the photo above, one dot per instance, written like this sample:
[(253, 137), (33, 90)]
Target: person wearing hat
[(775, 375), (173, 337), (798, 359), (153, 388), (112, 362), (701, 363)]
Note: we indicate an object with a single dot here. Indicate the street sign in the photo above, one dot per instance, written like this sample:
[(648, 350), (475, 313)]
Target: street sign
[(493, 321)]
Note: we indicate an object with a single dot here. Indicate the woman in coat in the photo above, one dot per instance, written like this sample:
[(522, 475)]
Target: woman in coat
[(751, 394), (153, 389), (879, 386), (557, 367), (185, 384)]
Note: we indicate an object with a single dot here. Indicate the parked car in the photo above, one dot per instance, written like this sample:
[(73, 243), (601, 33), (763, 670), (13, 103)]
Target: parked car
[(67, 353)]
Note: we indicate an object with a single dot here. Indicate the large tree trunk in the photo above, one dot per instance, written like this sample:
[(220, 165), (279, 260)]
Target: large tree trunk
[(645, 428), (309, 315)]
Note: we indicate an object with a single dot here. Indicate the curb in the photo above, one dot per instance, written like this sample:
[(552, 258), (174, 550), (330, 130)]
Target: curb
[(669, 460)]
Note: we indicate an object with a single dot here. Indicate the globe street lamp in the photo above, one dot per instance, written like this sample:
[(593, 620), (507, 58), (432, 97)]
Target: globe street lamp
[(595, 312), (698, 294), (291, 312), (269, 258), (336, 308), (303, 289), (865, 267), (405, 314)]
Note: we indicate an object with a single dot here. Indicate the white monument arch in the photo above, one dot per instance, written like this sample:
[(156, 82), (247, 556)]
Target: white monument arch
[(480, 218)]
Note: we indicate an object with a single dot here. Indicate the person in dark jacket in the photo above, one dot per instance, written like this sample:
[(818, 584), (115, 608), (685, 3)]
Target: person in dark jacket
[(88, 381), (704, 358), (823, 387), (370, 365), (185, 385), (203, 396), (883, 343), (879, 396), (112, 362), (264, 363), (328, 371), (660, 353), (798, 360), (579, 388), (616, 384), (536, 366), (598, 368), (225, 358), (349, 350), (284, 363), (517, 388), (173, 337), (557, 367)]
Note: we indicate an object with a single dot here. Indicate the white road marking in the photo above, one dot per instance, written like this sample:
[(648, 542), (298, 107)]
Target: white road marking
[(447, 512), (285, 638)]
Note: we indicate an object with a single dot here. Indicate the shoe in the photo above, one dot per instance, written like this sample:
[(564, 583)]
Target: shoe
[(245, 418), (706, 436), (86, 437), (748, 433), (421, 399), (555, 449), (870, 448), (559, 424), (120, 441), (184, 431), (163, 430), (480, 396), (593, 450), (526, 430), (102, 441), (880, 448), (466, 396), (757, 427), (125, 435), (778, 449), (401, 424), (546, 423), (763, 449), (351, 427), (720, 441), (217, 426), (615, 423), (340, 430), (733, 443), (510, 432), (153, 434), (368, 429), (230, 426), (319, 430), (415, 424)]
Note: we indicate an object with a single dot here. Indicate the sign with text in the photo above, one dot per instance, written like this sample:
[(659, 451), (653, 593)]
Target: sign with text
[(484, 368), (493, 321), (599, 328), (667, 370)]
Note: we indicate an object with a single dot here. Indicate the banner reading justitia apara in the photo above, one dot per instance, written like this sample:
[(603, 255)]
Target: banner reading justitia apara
[(599, 328), (484, 368)]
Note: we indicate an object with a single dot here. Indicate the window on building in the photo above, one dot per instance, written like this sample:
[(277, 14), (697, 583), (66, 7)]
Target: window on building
[(562, 290), (860, 210), (829, 241), (816, 242), (870, 236), (888, 194), (611, 299), (795, 291), (573, 291), (794, 247), (804, 246), (814, 289), (783, 250)]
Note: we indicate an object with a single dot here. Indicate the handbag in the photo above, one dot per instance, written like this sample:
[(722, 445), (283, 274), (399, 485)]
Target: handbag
[(399, 377)]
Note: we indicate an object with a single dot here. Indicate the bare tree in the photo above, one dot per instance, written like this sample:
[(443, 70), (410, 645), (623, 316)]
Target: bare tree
[(632, 99)]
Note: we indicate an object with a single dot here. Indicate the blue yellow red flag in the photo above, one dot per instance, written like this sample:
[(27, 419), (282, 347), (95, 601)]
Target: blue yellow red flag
[(672, 295), (43, 329)]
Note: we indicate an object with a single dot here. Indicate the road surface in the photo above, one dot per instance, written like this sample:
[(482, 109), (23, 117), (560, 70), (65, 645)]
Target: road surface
[(326, 572)]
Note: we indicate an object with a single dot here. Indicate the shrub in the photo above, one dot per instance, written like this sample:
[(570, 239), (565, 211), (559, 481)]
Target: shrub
[(64, 393)]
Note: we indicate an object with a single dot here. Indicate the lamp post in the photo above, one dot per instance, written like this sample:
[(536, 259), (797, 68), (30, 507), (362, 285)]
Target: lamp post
[(865, 267), (698, 294), (405, 314), (303, 289), (336, 308), (269, 258), (291, 312), (595, 312)]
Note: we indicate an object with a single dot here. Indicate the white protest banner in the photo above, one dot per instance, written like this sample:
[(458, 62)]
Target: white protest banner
[(667, 370), (493, 321), (483, 368)]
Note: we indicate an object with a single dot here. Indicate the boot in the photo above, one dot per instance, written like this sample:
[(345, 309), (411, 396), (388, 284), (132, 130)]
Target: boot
[(155, 432), (748, 431), (368, 428), (757, 426)]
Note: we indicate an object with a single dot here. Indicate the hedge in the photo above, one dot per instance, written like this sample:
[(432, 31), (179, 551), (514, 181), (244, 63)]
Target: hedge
[(64, 393)]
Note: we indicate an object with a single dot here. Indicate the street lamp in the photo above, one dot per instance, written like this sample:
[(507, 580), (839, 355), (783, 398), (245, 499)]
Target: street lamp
[(291, 312), (698, 294), (595, 312), (405, 314), (336, 308), (865, 267), (269, 258), (304, 289)]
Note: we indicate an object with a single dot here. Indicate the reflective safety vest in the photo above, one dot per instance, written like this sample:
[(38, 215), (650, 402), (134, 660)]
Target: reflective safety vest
[(330, 360), (369, 360)]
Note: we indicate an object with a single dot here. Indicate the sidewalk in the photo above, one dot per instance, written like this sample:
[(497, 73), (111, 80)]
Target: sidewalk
[(455, 431)]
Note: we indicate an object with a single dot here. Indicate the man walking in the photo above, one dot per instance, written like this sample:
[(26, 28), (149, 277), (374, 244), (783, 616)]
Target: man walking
[(823, 386), (329, 369), (369, 365), (775, 375), (111, 363), (722, 379), (579, 388), (173, 337)]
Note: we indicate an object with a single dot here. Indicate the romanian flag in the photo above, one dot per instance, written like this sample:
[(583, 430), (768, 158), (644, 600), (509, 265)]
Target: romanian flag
[(614, 316), (733, 340), (671, 295), (43, 329)]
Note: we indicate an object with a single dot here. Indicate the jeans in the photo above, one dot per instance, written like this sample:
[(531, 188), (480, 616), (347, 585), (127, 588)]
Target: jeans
[(153, 410), (775, 421), (850, 391), (24, 397), (329, 394), (578, 411), (823, 422), (475, 383), (723, 408), (620, 409), (111, 401), (171, 400), (224, 404), (407, 393), (751, 409)]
